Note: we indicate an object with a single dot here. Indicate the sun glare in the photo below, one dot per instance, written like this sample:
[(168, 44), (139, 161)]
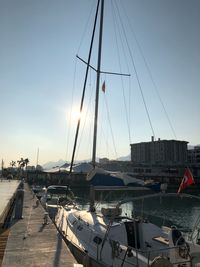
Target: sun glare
[(74, 115)]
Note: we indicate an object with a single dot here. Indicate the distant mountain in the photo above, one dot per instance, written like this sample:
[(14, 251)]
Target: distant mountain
[(52, 164), (61, 162), (124, 158), (192, 147)]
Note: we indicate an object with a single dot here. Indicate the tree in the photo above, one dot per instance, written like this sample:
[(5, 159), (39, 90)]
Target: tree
[(13, 163), (26, 162), (21, 163)]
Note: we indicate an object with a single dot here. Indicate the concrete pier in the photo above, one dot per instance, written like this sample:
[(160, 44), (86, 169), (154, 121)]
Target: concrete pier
[(7, 192), (33, 240)]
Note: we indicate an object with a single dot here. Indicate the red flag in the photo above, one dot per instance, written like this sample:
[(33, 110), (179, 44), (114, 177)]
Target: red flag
[(104, 87), (187, 180)]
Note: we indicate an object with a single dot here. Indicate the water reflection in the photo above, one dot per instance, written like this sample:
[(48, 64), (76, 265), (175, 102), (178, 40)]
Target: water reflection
[(182, 212)]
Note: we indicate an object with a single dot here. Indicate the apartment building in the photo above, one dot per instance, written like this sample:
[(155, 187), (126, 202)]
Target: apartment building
[(163, 152)]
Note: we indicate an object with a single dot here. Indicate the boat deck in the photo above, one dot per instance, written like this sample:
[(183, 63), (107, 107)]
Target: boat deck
[(33, 243)]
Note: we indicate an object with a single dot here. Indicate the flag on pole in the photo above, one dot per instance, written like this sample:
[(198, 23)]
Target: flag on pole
[(104, 87), (187, 180)]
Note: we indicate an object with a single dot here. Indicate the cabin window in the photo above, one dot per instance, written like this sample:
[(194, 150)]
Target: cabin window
[(132, 230), (97, 240)]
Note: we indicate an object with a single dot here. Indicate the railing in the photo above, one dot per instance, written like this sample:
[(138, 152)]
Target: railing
[(195, 234), (147, 257)]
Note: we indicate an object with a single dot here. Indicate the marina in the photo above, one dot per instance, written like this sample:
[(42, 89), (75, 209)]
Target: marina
[(116, 197), (33, 239), (95, 232)]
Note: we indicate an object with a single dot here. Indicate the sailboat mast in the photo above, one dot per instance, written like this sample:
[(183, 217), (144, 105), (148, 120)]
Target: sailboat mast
[(37, 160), (97, 84), (84, 86)]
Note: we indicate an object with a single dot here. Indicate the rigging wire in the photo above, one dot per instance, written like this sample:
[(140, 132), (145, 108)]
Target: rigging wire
[(119, 60), (86, 116), (70, 115), (150, 73), (89, 145), (102, 133), (86, 27), (129, 106), (74, 78), (135, 70), (111, 130), (84, 86)]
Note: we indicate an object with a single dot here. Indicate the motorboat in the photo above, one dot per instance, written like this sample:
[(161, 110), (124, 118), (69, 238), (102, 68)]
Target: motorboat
[(54, 196), (39, 190)]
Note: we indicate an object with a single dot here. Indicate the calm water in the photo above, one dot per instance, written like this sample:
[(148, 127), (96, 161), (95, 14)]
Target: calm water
[(182, 212)]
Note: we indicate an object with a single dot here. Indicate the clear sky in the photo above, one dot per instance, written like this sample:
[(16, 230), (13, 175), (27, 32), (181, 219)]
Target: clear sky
[(41, 80)]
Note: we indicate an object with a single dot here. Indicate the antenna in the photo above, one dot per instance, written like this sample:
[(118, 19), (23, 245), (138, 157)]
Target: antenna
[(37, 157)]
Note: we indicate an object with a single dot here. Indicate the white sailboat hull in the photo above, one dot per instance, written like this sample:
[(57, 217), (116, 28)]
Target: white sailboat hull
[(95, 245), (79, 253), (84, 248)]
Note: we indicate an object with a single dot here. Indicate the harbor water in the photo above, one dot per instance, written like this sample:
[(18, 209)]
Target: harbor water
[(179, 211)]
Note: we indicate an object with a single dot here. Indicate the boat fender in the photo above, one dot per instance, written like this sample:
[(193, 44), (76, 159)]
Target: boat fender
[(161, 262), (116, 249)]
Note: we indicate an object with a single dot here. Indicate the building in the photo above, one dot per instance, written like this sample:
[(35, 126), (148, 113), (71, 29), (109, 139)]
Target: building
[(162, 152), (194, 155), (104, 160)]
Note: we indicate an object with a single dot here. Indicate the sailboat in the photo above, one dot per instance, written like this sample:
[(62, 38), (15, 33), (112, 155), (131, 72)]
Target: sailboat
[(101, 177), (98, 176), (112, 238)]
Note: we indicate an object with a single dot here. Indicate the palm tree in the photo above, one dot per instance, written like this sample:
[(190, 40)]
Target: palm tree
[(21, 163), (13, 163), (26, 162)]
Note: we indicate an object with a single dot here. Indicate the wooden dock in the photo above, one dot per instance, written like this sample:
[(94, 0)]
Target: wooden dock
[(33, 243)]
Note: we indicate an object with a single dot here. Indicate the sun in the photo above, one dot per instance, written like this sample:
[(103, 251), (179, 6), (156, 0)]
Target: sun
[(74, 114)]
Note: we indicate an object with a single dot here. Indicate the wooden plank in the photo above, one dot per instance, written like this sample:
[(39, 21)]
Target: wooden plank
[(32, 243)]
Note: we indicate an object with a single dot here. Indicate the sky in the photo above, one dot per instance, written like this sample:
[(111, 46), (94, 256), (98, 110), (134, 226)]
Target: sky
[(155, 41)]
